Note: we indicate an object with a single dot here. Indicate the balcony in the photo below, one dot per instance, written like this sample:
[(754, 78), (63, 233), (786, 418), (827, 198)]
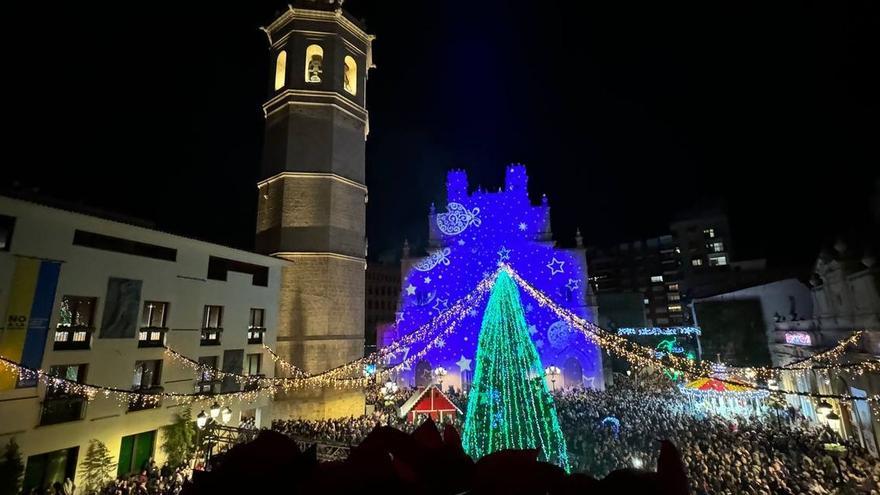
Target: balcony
[(73, 338), (61, 409), (255, 335), (254, 382), (143, 402), (211, 336), (152, 337)]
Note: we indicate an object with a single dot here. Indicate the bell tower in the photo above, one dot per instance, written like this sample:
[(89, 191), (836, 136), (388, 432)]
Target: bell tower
[(311, 204)]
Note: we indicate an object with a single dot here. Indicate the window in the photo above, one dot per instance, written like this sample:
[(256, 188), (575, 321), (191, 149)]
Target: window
[(715, 247), (45, 469), (125, 246), (147, 379), (213, 317), (60, 406), (675, 308), (709, 233), (155, 313), (77, 311), (657, 278), (7, 225), (254, 364), (674, 297), (314, 63), (717, 260), (256, 320), (349, 75), (280, 69), (697, 262), (647, 301), (673, 287), (219, 268), (207, 382)]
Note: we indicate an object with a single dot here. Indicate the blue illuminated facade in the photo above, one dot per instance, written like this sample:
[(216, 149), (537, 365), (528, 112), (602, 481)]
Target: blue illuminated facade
[(468, 239)]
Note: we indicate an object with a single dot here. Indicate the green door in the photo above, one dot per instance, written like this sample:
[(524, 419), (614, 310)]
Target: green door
[(135, 451)]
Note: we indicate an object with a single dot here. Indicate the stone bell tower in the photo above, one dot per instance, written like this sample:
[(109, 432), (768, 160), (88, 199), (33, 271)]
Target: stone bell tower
[(311, 205)]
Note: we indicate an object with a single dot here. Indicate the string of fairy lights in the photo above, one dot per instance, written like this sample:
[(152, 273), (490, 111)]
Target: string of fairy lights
[(373, 369)]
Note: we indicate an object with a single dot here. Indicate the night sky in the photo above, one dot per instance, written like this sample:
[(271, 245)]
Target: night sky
[(625, 113)]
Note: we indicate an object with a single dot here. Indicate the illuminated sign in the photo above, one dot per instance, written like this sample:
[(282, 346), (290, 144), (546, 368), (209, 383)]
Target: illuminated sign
[(798, 338)]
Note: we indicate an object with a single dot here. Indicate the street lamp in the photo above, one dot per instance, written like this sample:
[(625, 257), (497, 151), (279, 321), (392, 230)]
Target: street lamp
[(553, 372), (201, 420), (226, 414), (215, 410), (439, 373)]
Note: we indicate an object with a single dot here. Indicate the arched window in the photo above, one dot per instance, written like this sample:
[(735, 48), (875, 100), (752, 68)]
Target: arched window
[(349, 75), (314, 63), (280, 69)]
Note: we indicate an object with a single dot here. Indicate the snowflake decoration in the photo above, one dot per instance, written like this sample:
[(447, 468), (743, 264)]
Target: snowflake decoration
[(427, 280), (440, 343), (523, 226), (529, 308)]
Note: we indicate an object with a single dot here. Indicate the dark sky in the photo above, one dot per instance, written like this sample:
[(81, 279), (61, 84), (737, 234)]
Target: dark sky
[(625, 113)]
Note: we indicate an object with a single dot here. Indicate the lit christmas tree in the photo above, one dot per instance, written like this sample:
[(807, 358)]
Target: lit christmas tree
[(509, 406)]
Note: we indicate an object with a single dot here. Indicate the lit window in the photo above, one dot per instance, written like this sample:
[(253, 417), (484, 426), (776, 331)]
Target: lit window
[(718, 261), (254, 364), (715, 247), (314, 63), (154, 314), (675, 308), (657, 278), (710, 233), (647, 301), (673, 287), (280, 69), (349, 75), (674, 297), (697, 262)]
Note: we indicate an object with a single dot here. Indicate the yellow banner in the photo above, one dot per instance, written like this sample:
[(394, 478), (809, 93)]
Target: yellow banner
[(18, 312)]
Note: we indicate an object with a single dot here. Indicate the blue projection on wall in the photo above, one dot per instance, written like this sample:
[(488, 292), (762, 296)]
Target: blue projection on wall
[(468, 240)]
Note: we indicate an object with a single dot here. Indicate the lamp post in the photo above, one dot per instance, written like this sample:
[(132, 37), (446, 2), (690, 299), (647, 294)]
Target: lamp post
[(553, 372), (835, 450), (207, 421), (439, 373)]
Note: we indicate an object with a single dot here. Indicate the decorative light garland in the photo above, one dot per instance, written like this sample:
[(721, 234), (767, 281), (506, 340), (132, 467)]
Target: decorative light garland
[(665, 331)]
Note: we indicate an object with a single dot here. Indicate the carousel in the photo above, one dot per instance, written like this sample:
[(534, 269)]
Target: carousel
[(722, 394)]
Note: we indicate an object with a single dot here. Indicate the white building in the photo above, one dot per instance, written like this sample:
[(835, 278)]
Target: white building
[(77, 292)]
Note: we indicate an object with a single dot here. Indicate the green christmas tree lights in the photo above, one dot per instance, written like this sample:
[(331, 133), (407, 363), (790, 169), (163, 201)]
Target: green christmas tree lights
[(509, 406)]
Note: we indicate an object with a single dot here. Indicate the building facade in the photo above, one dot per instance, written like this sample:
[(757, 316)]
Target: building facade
[(468, 241), (650, 269), (95, 301), (311, 203), (382, 300)]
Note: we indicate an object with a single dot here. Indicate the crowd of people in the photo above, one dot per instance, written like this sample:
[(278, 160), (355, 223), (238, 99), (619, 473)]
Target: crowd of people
[(620, 428), (152, 480)]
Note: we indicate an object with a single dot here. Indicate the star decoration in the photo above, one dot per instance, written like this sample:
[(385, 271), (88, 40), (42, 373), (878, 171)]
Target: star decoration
[(398, 318), (427, 280), (539, 344), (441, 302), (533, 330), (461, 242), (410, 290), (523, 226), (464, 364), (529, 308), (503, 254), (472, 312), (555, 266), (572, 284)]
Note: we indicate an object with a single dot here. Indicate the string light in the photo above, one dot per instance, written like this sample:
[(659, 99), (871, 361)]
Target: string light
[(659, 331), (509, 406)]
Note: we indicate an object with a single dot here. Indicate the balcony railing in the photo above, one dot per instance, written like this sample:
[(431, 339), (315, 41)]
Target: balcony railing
[(254, 382), (255, 335), (211, 336), (152, 337), (73, 338), (61, 409), (146, 401)]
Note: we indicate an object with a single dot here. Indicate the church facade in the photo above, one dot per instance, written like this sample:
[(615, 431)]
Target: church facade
[(467, 242)]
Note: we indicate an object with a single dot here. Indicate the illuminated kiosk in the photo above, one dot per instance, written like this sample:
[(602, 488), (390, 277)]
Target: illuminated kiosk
[(718, 394), (468, 240), (429, 402)]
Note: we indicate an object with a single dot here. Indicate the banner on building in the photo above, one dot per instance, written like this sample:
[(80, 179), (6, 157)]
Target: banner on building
[(31, 297)]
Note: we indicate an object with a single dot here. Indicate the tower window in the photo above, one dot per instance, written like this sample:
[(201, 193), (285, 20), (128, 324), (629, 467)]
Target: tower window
[(314, 63), (349, 75), (280, 69)]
